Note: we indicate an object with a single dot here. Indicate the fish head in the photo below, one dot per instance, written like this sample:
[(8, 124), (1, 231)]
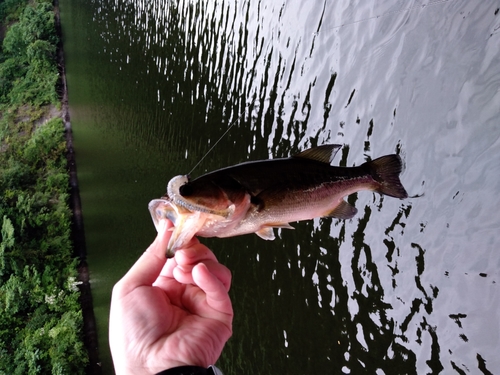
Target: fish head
[(189, 208), (204, 197)]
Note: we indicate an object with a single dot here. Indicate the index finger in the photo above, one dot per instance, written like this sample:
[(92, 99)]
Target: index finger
[(147, 268)]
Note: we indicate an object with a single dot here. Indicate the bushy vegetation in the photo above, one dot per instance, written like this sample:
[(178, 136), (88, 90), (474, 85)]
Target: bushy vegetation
[(10, 10), (28, 73), (40, 315)]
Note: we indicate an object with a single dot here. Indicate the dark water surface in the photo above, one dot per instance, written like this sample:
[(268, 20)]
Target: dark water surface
[(405, 287)]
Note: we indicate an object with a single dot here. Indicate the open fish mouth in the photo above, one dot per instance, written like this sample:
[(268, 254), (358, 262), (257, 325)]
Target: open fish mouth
[(161, 209), (186, 223)]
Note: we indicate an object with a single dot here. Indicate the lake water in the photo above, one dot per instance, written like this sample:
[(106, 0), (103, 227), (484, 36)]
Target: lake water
[(405, 287)]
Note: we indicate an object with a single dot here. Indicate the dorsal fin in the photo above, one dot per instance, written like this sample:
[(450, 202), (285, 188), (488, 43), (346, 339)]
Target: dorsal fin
[(323, 154)]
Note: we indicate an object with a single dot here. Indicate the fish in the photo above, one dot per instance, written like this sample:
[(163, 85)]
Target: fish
[(259, 196)]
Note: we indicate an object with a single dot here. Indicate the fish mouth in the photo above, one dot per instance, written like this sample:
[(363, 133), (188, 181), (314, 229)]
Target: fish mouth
[(161, 209), (177, 199), (187, 216), (186, 222)]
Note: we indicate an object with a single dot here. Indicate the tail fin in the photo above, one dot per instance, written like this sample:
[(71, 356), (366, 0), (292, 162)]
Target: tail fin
[(385, 170)]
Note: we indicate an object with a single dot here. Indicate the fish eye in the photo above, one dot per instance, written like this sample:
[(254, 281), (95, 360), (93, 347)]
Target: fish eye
[(186, 190)]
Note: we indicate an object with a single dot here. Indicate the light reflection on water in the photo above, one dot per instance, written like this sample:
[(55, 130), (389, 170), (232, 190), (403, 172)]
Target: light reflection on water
[(405, 286)]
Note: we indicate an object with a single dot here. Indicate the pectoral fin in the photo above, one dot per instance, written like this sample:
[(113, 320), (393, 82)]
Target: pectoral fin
[(266, 233), (343, 211)]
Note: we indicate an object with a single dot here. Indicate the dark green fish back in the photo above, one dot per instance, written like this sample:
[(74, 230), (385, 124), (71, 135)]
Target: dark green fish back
[(305, 170)]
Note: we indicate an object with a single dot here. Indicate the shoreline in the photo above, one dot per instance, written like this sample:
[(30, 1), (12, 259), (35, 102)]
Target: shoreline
[(77, 232)]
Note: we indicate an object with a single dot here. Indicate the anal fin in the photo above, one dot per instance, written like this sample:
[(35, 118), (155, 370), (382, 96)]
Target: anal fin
[(343, 211)]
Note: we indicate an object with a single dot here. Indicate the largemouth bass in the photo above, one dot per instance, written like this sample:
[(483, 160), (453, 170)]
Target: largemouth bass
[(258, 196)]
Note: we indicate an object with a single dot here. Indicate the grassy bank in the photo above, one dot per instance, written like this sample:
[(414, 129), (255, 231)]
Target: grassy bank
[(40, 315)]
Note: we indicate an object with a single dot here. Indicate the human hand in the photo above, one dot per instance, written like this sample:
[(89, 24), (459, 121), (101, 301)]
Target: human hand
[(169, 313)]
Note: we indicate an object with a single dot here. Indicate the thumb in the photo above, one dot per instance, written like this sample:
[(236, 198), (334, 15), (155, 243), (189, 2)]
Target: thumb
[(148, 267)]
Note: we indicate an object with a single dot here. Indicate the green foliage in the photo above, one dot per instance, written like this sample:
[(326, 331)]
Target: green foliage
[(38, 23), (34, 184), (41, 55), (49, 321), (10, 10), (7, 239), (10, 71), (15, 43), (29, 72), (40, 315)]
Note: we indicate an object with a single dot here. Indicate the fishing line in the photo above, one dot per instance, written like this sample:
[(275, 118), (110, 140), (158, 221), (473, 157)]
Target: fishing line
[(220, 138), (385, 14)]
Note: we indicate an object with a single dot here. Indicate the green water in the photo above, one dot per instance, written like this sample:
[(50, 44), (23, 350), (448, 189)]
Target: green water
[(404, 287)]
